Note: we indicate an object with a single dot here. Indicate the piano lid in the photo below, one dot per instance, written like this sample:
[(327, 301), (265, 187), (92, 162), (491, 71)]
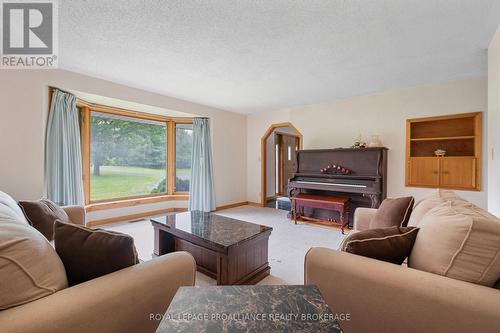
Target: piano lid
[(364, 162)]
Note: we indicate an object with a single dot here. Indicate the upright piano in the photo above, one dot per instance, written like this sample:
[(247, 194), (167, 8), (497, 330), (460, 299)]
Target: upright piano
[(365, 184)]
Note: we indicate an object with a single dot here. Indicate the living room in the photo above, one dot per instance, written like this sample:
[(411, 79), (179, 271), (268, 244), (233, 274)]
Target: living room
[(249, 166)]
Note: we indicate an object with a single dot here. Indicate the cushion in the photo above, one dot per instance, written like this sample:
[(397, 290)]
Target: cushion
[(431, 201), (11, 209), (42, 214), (29, 267), (391, 244), (458, 242), (90, 253), (393, 213)]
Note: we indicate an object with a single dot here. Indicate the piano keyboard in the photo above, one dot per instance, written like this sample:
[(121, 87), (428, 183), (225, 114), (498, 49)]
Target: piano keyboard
[(332, 184)]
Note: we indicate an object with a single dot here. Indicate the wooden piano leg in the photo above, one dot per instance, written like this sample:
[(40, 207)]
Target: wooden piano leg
[(344, 218), (294, 211)]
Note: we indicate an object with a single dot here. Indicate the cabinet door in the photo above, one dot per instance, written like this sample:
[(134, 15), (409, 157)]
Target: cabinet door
[(423, 171), (458, 172)]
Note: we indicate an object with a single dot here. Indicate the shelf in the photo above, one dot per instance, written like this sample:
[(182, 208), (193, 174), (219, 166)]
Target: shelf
[(460, 136), (445, 138), (444, 157)]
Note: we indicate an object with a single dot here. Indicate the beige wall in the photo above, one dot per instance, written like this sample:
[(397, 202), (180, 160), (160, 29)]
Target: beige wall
[(337, 124), (23, 114), (494, 125)]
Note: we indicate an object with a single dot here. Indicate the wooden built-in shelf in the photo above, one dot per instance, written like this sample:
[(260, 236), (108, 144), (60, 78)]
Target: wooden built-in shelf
[(460, 135), (465, 137)]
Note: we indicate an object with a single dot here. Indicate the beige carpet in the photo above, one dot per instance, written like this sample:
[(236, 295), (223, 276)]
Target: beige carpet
[(288, 243)]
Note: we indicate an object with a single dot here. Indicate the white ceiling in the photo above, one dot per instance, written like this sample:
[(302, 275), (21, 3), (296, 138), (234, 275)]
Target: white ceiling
[(261, 55)]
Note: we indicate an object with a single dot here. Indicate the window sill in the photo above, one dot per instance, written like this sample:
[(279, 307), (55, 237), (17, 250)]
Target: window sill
[(134, 202)]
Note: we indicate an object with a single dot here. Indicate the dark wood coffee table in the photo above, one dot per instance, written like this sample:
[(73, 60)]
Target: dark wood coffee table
[(249, 309), (228, 250)]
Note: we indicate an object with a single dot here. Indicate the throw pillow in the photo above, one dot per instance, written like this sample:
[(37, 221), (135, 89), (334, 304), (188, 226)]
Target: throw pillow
[(392, 244), (89, 253), (457, 241), (42, 214), (393, 213), (29, 266)]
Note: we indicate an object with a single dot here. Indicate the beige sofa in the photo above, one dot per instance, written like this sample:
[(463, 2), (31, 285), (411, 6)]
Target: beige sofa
[(122, 301), (383, 297)]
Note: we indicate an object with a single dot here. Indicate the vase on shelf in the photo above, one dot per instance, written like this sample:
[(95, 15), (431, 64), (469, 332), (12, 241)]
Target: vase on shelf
[(375, 141)]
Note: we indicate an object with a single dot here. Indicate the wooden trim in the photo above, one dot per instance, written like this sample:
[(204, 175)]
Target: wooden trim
[(238, 204), (51, 91), (478, 129), (133, 217), (154, 213), (134, 202), (86, 152), (445, 117), (131, 113), (263, 157), (408, 148), (272, 197), (170, 157)]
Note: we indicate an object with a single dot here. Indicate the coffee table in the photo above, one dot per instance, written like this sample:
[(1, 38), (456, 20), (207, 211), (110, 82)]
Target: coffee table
[(228, 250), (249, 309)]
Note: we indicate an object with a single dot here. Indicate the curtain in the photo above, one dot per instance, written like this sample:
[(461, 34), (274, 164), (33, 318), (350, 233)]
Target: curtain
[(63, 154), (201, 191)]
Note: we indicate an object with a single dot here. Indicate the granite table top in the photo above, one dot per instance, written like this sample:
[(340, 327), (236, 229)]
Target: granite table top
[(231, 309), (217, 229)]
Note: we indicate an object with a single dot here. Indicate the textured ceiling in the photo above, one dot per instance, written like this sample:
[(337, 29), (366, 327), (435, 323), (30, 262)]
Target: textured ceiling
[(261, 55)]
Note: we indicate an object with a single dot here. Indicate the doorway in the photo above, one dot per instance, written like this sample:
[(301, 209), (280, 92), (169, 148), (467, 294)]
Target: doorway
[(285, 161), (279, 146)]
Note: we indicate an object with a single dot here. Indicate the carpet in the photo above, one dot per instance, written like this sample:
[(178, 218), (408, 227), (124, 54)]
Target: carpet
[(288, 243)]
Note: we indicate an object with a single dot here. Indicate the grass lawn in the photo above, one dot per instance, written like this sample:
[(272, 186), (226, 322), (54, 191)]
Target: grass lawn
[(119, 182)]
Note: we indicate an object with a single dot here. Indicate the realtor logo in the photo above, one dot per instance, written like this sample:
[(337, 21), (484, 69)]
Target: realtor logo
[(29, 34)]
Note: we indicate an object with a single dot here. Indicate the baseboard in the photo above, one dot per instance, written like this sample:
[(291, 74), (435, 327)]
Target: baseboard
[(132, 217), (238, 204), (137, 216), (272, 197)]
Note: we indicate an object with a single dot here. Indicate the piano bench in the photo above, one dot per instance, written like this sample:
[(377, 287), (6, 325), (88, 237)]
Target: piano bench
[(327, 202)]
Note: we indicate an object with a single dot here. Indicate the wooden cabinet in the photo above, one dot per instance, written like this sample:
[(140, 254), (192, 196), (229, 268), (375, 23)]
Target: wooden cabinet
[(457, 172), (423, 171), (459, 136)]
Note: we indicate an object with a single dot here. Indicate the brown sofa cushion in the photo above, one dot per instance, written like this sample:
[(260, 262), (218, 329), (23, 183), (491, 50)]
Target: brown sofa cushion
[(391, 244), (393, 213), (42, 214), (29, 267), (89, 253), (459, 241)]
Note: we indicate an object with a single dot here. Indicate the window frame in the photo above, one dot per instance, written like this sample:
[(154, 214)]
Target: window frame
[(86, 108), (174, 148)]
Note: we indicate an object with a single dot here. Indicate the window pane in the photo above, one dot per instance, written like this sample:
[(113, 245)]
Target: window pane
[(127, 157), (183, 147)]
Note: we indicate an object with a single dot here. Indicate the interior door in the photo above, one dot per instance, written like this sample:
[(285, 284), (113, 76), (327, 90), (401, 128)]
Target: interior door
[(289, 147)]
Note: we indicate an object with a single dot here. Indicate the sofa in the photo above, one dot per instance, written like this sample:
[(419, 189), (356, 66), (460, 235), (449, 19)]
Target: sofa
[(378, 296), (122, 301)]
